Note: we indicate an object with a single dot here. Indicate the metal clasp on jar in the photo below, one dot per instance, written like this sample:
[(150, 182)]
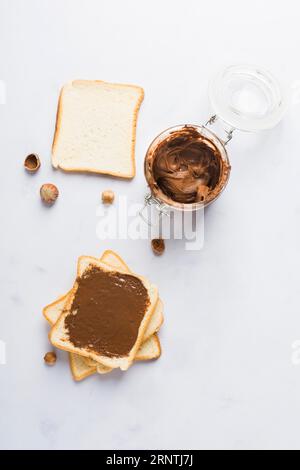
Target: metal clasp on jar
[(229, 133), (160, 206)]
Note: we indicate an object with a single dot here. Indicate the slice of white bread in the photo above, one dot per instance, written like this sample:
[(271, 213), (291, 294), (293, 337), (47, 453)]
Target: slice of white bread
[(82, 367), (96, 128), (79, 368), (59, 335), (150, 349)]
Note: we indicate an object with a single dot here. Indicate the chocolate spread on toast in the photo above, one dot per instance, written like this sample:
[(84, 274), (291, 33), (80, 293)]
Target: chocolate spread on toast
[(106, 312)]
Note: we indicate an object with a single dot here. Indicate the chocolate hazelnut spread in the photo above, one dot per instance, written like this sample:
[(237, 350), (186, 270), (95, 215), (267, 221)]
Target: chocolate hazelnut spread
[(184, 166), (107, 311)]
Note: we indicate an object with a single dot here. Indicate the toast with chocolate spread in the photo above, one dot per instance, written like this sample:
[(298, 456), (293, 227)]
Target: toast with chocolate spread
[(96, 128), (106, 315), (82, 367)]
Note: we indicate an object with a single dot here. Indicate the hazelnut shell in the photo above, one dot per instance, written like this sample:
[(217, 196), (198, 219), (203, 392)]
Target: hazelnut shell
[(158, 246), (32, 163)]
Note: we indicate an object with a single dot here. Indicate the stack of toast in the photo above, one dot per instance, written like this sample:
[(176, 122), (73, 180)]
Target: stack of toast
[(93, 357)]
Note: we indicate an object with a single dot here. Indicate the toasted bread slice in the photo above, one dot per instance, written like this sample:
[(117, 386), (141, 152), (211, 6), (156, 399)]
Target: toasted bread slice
[(59, 334), (112, 258), (82, 367), (96, 128), (149, 350)]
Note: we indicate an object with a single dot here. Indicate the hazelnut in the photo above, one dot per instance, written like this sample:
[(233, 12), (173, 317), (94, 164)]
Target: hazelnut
[(108, 197), (32, 163), (158, 246), (50, 358), (49, 193)]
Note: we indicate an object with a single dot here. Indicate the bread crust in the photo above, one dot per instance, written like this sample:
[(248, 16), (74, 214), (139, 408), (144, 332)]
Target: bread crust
[(58, 127), (108, 253), (53, 304), (158, 345)]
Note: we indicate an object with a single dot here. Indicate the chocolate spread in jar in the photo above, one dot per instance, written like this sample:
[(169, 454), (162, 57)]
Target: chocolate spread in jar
[(187, 167), (107, 311)]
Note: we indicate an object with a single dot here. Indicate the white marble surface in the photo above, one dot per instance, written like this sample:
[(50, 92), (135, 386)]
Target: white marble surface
[(226, 378)]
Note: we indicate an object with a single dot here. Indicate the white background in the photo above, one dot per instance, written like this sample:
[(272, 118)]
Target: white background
[(226, 378)]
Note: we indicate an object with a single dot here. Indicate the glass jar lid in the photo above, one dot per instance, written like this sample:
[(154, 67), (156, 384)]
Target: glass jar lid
[(247, 98)]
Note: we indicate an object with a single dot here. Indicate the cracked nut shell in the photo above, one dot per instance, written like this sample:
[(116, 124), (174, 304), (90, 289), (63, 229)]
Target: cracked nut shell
[(32, 163), (49, 193), (158, 246)]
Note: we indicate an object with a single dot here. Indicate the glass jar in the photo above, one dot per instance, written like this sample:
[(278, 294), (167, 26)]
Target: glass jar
[(243, 98)]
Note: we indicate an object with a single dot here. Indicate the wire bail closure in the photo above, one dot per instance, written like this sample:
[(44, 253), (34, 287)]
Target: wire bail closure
[(162, 209), (229, 133)]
